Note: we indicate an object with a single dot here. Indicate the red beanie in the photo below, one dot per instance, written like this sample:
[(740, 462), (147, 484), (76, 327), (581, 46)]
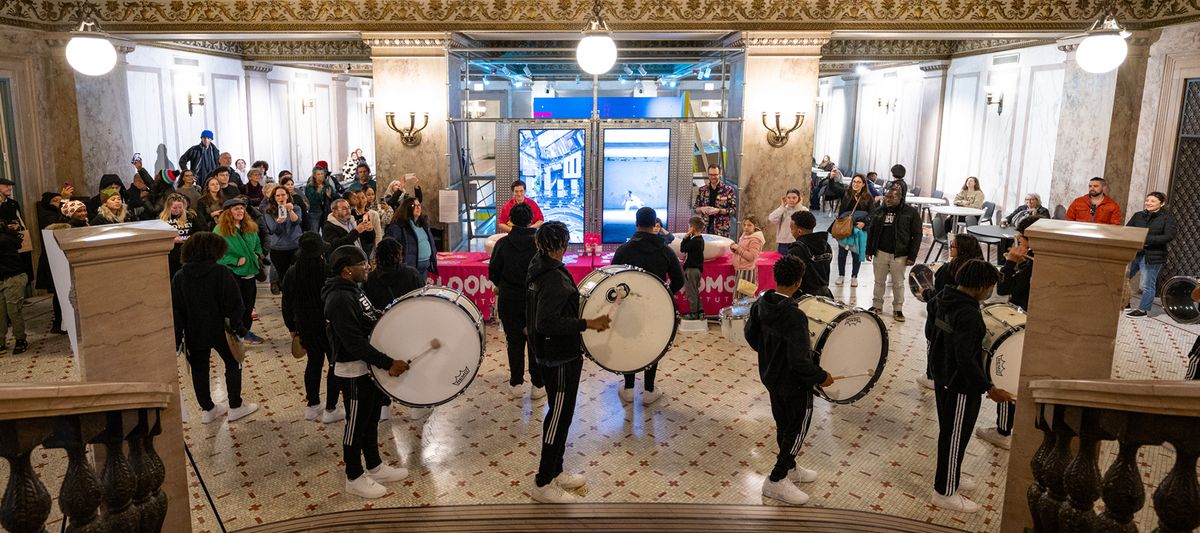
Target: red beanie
[(324, 165)]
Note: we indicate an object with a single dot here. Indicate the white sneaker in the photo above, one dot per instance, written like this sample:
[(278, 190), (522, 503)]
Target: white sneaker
[(419, 413), (957, 502), (802, 475), (537, 393), (336, 415), (553, 493), (966, 484), (213, 414), (993, 436), (242, 412), (649, 397), (853, 282), (516, 391), (570, 481), (784, 490), (365, 487), (387, 474), (925, 382), (840, 280), (312, 412), (1170, 447), (625, 394), (385, 413)]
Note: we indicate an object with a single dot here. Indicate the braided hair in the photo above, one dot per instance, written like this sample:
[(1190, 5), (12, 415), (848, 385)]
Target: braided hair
[(976, 274), (552, 237)]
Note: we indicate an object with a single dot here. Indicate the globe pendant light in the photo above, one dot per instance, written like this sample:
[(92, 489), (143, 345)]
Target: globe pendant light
[(597, 52), (89, 52), (1104, 48)]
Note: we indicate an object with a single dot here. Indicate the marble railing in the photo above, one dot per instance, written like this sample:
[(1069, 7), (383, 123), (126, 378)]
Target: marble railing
[(122, 419), (1067, 480)]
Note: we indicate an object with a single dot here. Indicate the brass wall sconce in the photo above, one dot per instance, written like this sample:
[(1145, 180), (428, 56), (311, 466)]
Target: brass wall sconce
[(888, 104), (194, 100), (820, 102), (368, 104), (995, 97), (778, 136), (307, 103), (410, 136)]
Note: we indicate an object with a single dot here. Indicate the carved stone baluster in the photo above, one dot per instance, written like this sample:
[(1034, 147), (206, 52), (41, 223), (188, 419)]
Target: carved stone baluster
[(81, 494), (1082, 477), (118, 478), (1177, 500), (26, 503), (1038, 466), (1123, 492), (151, 502), (1056, 463)]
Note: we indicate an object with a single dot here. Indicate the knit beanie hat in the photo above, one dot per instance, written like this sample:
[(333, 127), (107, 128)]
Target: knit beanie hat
[(70, 207), (108, 193), (344, 256), (168, 175)]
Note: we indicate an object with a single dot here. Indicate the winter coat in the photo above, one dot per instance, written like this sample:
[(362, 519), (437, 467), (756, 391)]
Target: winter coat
[(1014, 282), (647, 252), (748, 249), (1108, 212), (778, 331), (510, 262), (385, 284), (200, 160), (107, 216), (1162, 230), (203, 296), (336, 234), (404, 233), (242, 245), (907, 227), (817, 255), (303, 309), (320, 202), (11, 263), (552, 313), (957, 353), (351, 319), (942, 278), (1023, 212), (93, 203)]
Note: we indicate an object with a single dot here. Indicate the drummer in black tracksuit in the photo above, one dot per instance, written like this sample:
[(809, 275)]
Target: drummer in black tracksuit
[(813, 248), (351, 318), (507, 270), (648, 252), (552, 315), (778, 331), (960, 377), (963, 248)]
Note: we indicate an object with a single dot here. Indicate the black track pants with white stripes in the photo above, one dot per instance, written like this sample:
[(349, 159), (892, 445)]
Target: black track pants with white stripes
[(956, 419), (1005, 412), (562, 387), (1193, 370), (361, 438), (793, 415)]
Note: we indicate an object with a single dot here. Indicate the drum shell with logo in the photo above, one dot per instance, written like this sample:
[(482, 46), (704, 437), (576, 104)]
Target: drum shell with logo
[(1003, 344), (733, 323), (643, 325), (406, 330), (845, 341), (920, 278), (1177, 299)]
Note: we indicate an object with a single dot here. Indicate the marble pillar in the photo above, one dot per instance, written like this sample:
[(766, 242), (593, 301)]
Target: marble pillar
[(112, 351), (258, 111), (933, 93), (411, 73), (1127, 109), (780, 77), (1075, 301), (340, 100), (105, 133), (845, 159)]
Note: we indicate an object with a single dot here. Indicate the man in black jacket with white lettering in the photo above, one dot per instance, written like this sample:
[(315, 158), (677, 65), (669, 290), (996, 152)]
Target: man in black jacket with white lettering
[(893, 241)]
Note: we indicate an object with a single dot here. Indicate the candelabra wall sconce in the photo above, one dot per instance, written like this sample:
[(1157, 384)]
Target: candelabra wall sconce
[(194, 99), (820, 102), (778, 136), (888, 104), (307, 103), (410, 136), (368, 104), (995, 97)]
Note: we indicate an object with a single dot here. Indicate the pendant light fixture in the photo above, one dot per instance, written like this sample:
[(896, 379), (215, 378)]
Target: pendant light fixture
[(597, 52), (89, 52), (1104, 48)]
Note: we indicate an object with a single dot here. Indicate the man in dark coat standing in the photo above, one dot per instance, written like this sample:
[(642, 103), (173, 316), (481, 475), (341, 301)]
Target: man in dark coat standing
[(202, 158)]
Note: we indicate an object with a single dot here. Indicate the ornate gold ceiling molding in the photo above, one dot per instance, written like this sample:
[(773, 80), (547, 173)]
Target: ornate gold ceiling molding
[(918, 49), (294, 50), (174, 16)]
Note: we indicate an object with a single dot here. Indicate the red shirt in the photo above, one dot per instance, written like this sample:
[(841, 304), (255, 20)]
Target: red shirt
[(537, 212)]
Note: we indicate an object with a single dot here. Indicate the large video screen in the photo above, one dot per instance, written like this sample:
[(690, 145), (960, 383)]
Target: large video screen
[(637, 169), (551, 166)]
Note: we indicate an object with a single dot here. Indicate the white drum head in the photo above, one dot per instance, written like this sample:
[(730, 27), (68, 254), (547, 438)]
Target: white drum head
[(405, 332), (643, 323), (1005, 363), (855, 347)]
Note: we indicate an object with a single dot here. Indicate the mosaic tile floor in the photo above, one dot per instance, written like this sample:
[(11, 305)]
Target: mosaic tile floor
[(709, 439)]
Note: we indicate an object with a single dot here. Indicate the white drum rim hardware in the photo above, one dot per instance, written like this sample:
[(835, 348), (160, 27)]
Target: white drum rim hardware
[(1177, 299), (585, 294), (989, 350), (437, 291), (915, 285), (824, 336)]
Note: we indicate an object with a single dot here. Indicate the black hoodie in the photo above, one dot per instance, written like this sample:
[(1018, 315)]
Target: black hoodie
[(510, 262), (778, 331), (93, 203), (203, 296), (957, 353), (351, 319), (552, 313), (386, 283), (648, 252), (817, 255)]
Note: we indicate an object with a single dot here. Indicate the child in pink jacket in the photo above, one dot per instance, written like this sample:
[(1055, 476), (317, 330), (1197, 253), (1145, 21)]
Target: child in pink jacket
[(746, 250)]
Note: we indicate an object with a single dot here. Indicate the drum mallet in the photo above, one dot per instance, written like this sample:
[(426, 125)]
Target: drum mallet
[(870, 372), (433, 345)]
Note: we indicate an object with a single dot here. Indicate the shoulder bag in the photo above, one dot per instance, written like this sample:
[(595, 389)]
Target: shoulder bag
[(844, 226)]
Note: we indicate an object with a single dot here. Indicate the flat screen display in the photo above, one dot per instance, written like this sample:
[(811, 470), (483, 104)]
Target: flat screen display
[(637, 170), (609, 107), (551, 165)]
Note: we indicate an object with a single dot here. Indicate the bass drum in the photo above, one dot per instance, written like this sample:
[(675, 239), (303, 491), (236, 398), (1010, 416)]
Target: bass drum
[(733, 323), (920, 278), (408, 330), (846, 341), (1177, 299), (643, 318), (1003, 344)]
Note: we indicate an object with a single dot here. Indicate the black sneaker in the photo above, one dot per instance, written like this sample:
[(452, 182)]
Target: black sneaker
[(875, 310), (275, 288), (3, 349), (1136, 313), (20, 347), (899, 316)]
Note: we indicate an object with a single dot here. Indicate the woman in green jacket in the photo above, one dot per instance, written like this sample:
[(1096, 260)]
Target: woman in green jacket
[(243, 256)]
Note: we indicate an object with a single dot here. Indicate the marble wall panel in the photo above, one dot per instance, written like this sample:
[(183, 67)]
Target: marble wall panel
[(146, 112), (281, 131), (324, 129), (229, 114), (1037, 142), (105, 135), (1083, 127), (923, 173), (997, 148), (959, 133)]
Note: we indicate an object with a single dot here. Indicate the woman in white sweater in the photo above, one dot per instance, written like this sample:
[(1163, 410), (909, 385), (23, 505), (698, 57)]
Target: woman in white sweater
[(781, 217), (969, 196)]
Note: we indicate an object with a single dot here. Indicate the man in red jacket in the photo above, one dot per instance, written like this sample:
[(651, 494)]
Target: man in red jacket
[(1095, 206)]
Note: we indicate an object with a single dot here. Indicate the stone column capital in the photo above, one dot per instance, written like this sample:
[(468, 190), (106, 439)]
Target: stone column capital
[(410, 44), (936, 69), (257, 70), (851, 79), (783, 43), (340, 79), (1069, 45)]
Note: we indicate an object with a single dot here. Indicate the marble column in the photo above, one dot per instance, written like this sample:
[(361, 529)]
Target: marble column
[(340, 101), (109, 350), (1075, 301), (845, 159), (105, 133), (780, 70), (258, 111), (1127, 112), (929, 143), (411, 73)]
